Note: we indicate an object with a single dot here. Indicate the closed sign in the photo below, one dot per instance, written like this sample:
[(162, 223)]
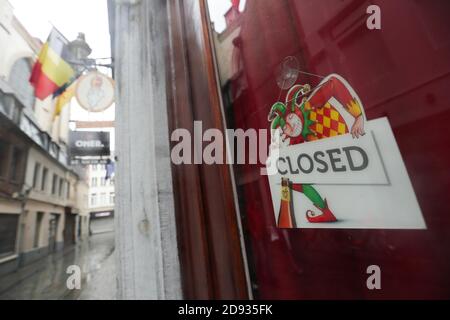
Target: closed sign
[(363, 182)]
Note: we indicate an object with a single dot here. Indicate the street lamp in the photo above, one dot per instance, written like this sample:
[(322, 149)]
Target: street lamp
[(79, 51)]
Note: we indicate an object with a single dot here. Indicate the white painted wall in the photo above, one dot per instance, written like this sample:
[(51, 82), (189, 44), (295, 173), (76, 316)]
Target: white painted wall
[(12, 45), (147, 252)]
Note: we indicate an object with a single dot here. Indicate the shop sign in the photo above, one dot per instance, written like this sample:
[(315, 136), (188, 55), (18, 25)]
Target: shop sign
[(95, 91), (85, 161), (102, 214), (89, 143), (331, 168)]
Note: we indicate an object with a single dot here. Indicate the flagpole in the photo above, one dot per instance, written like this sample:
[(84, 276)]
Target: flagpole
[(59, 31)]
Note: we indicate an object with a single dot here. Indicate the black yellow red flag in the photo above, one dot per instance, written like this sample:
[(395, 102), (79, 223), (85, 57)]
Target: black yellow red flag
[(51, 70)]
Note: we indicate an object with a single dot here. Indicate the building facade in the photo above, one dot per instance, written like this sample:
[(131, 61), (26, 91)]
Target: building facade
[(41, 195), (101, 199)]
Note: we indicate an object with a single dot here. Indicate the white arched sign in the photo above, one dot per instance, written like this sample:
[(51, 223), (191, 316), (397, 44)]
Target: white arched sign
[(95, 91)]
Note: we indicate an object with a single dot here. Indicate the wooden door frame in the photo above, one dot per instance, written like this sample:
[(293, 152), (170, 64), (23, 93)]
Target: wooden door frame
[(211, 257)]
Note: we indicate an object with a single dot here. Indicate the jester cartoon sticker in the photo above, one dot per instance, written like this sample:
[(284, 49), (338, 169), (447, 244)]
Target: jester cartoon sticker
[(332, 164)]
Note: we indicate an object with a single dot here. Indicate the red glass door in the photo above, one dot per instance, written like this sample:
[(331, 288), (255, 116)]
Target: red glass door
[(401, 72)]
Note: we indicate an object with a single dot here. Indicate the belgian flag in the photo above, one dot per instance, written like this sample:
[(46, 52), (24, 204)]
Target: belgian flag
[(52, 72)]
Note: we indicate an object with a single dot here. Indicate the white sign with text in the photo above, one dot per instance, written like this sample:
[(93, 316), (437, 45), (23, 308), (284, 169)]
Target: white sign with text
[(336, 160), (363, 181)]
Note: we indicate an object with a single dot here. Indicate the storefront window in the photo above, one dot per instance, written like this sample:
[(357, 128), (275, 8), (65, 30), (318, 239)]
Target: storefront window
[(313, 71), (8, 232)]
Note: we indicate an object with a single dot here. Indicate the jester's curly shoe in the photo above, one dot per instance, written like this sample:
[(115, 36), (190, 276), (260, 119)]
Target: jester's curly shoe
[(325, 216)]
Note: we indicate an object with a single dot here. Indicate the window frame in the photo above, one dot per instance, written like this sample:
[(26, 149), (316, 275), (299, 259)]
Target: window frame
[(44, 178)]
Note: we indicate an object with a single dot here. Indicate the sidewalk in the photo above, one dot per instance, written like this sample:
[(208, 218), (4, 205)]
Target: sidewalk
[(101, 286)]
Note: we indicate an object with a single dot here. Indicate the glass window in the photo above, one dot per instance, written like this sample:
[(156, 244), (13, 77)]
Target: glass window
[(61, 186), (16, 164), (4, 154), (94, 182), (103, 198), (315, 74), (32, 130), (5, 104), (68, 190), (37, 170), (8, 234), (111, 197), (93, 199), (19, 81), (44, 179), (54, 183), (37, 231)]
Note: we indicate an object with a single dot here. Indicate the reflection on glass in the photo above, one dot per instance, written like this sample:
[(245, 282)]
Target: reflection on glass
[(401, 72)]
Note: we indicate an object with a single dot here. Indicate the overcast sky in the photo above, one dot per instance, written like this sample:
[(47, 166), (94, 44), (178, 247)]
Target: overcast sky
[(70, 17), (88, 16)]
